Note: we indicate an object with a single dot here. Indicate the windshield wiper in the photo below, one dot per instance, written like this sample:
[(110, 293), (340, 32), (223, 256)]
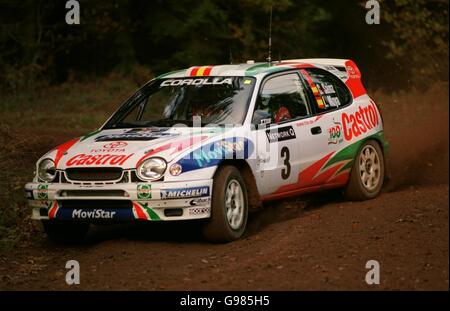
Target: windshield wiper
[(166, 122)]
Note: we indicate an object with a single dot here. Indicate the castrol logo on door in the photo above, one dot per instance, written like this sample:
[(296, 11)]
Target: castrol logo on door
[(361, 121)]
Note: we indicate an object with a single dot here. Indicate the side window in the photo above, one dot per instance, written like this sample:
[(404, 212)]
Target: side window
[(282, 98), (329, 91)]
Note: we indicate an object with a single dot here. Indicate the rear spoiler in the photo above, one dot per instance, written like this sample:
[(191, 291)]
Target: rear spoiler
[(335, 62), (352, 79)]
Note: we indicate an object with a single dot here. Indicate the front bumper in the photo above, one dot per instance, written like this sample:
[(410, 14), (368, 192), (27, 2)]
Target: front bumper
[(164, 201)]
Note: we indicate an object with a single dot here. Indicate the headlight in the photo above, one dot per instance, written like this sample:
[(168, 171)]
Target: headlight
[(47, 170), (151, 169)]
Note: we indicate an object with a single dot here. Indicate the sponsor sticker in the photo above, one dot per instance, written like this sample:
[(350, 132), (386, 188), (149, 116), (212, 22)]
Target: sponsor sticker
[(196, 82), (335, 133), (213, 153), (137, 134), (43, 192), (280, 134), (92, 214), (117, 147), (184, 193), (362, 120), (98, 159), (200, 202), (352, 73), (305, 123), (144, 191), (199, 210)]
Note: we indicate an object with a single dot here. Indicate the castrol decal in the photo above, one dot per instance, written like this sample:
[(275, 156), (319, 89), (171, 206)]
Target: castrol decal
[(98, 159), (361, 121)]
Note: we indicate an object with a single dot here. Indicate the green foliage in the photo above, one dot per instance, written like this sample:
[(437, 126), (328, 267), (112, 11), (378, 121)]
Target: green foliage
[(38, 48), (419, 37)]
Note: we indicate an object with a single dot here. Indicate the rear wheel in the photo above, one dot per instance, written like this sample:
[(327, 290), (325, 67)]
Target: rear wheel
[(229, 208), (65, 231), (367, 175)]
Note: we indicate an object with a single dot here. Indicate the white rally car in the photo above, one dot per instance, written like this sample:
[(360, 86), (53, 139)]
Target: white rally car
[(211, 142)]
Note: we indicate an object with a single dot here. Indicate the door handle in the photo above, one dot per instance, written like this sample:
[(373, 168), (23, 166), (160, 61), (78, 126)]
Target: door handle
[(316, 130)]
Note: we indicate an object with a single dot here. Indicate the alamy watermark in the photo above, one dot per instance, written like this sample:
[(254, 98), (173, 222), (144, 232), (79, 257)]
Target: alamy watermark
[(372, 16), (73, 275), (373, 275), (373, 13), (73, 15)]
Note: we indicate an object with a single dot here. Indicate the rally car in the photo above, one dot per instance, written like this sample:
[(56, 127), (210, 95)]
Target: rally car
[(211, 142)]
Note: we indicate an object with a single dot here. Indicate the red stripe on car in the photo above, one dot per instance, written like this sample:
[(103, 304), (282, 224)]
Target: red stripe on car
[(139, 211), (178, 146), (61, 149)]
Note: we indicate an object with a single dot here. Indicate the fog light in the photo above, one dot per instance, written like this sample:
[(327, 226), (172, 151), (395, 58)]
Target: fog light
[(29, 194)]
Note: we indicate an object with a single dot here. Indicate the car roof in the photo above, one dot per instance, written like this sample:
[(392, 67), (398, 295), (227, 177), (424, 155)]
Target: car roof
[(254, 69)]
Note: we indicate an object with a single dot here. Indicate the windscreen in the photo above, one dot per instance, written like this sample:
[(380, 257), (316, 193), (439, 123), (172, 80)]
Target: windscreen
[(168, 102)]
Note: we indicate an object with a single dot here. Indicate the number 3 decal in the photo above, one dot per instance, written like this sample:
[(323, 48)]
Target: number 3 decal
[(285, 172)]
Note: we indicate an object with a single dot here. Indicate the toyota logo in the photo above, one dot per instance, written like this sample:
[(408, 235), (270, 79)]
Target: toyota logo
[(115, 145)]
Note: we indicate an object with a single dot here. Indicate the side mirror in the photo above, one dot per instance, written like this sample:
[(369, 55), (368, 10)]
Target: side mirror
[(261, 118)]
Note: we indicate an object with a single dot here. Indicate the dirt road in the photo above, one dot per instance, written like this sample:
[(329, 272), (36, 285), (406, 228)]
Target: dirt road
[(317, 243), (314, 242)]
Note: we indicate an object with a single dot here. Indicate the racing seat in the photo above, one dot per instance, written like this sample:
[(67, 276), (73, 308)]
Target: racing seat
[(287, 106)]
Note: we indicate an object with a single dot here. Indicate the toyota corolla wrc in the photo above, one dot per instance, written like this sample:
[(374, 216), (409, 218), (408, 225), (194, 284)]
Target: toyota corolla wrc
[(211, 142)]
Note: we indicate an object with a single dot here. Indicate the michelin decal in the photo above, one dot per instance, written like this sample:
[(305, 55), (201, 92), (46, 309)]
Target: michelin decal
[(184, 193)]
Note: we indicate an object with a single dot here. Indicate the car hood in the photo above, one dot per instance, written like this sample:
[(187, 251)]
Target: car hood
[(127, 148)]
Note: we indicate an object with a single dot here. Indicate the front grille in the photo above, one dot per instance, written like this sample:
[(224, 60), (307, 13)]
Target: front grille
[(94, 174), (93, 193), (98, 204)]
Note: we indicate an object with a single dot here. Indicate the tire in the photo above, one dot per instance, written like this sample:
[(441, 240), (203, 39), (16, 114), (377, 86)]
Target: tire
[(368, 172), (228, 185), (65, 232)]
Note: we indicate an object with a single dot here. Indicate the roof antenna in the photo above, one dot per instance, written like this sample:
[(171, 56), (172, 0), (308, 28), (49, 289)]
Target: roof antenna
[(269, 58), (231, 57)]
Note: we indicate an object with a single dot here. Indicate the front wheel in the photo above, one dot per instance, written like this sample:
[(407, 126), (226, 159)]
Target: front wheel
[(367, 175), (65, 231), (229, 208)]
